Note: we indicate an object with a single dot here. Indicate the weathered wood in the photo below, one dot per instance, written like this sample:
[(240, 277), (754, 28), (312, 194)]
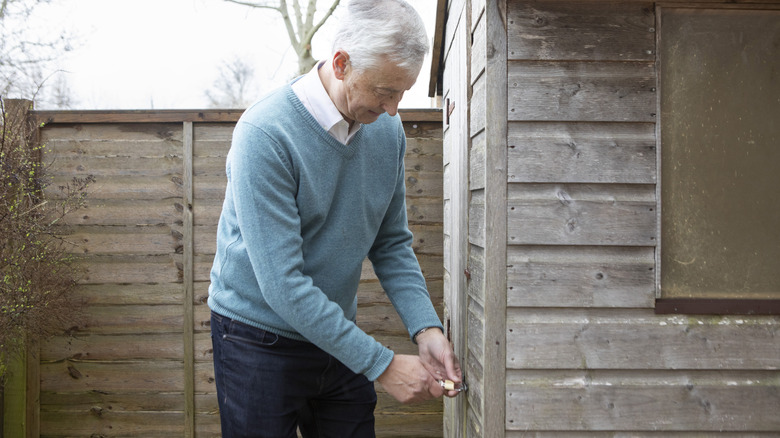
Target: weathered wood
[(157, 116), (582, 152), (706, 401), (600, 339), (477, 108), (581, 214), (113, 347), (600, 31), (496, 223), (578, 91), (130, 269), (119, 294), (187, 280), (580, 276), (139, 281), (130, 320), (478, 48), (102, 240), (141, 377)]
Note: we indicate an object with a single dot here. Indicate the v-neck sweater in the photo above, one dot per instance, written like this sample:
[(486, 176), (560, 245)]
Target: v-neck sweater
[(302, 211)]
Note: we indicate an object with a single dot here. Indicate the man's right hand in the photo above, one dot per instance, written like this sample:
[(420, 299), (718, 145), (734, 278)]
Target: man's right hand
[(409, 381)]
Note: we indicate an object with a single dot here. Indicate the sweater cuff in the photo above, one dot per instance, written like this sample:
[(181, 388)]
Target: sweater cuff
[(380, 365)]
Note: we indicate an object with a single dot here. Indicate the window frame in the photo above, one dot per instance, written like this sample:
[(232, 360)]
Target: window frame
[(700, 306)]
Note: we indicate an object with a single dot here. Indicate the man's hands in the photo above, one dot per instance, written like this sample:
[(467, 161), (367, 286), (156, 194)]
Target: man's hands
[(439, 359), (416, 378)]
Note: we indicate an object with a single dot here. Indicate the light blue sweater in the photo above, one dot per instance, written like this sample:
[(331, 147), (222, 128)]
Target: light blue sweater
[(301, 213)]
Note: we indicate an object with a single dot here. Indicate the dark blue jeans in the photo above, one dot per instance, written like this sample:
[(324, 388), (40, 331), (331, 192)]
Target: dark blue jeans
[(269, 386)]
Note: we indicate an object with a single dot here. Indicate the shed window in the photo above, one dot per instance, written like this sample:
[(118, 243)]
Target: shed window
[(719, 74)]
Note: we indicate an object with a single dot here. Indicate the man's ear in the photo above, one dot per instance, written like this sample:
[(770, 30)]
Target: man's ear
[(340, 64)]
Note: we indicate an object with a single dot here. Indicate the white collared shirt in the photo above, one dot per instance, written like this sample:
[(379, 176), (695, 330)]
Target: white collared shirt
[(312, 94)]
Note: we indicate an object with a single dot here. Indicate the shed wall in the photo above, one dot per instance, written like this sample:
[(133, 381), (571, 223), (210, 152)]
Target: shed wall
[(139, 364), (586, 355)]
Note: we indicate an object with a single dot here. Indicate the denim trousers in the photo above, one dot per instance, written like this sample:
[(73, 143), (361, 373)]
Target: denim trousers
[(270, 386)]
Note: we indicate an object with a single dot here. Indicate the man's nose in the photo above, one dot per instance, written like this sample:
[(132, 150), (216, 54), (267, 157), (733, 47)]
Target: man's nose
[(391, 105)]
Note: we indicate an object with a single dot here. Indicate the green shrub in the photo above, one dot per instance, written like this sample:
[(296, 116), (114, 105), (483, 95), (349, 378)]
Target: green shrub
[(37, 272)]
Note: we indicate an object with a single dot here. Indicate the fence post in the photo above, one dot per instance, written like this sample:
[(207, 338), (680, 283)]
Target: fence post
[(20, 393)]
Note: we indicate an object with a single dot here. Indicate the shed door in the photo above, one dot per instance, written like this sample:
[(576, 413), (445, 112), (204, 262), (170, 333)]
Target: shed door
[(456, 191)]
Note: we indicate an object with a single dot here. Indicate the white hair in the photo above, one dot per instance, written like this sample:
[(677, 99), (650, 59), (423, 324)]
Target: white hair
[(374, 31)]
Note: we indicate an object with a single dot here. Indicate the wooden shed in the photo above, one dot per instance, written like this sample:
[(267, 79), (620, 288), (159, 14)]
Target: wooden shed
[(611, 249)]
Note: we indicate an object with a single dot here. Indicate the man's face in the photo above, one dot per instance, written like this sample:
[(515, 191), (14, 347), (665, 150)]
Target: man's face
[(366, 95)]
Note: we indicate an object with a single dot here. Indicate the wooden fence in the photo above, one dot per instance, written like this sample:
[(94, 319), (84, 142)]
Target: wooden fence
[(139, 362)]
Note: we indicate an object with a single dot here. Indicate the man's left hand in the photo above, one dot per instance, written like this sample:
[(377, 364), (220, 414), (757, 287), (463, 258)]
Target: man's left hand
[(438, 358)]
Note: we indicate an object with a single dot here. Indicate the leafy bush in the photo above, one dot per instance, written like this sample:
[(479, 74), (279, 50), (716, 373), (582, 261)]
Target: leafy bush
[(37, 273)]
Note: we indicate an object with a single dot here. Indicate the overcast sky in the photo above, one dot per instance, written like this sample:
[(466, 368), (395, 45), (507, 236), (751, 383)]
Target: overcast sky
[(139, 54)]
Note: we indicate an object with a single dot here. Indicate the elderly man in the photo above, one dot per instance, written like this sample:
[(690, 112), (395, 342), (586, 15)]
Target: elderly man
[(316, 185)]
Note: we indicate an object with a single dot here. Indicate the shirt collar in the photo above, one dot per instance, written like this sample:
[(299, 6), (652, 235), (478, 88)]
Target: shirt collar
[(314, 97)]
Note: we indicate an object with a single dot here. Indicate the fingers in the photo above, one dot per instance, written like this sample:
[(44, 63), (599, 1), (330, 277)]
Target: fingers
[(408, 381)]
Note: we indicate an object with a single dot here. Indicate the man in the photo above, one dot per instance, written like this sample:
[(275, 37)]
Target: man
[(316, 185)]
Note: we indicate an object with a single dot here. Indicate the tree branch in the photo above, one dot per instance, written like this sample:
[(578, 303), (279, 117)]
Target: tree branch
[(256, 5), (313, 30)]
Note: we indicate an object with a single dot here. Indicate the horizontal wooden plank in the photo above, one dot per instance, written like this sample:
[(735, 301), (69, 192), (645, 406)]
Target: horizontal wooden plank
[(127, 188), (102, 138), (639, 339), (130, 320), (557, 214), (121, 294), (101, 422), (139, 212), (580, 276), (111, 347), (597, 31), (148, 377), (123, 240), (581, 152), (706, 402), (113, 401), (101, 167), (582, 91), (634, 434), (130, 269), (704, 306), (173, 115)]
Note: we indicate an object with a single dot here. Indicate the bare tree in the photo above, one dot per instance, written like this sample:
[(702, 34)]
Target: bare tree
[(233, 85), (26, 57), (300, 24)]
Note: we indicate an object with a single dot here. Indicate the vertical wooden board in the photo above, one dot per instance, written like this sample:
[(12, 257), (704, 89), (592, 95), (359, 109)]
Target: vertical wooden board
[(477, 106), (582, 152), (638, 340), (476, 276), (542, 214), (581, 276), (477, 162), (477, 218), (602, 31), (478, 57), (708, 402), (580, 91)]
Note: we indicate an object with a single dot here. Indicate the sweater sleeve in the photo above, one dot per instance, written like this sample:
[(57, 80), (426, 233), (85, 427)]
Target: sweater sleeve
[(264, 185), (395, 263)]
